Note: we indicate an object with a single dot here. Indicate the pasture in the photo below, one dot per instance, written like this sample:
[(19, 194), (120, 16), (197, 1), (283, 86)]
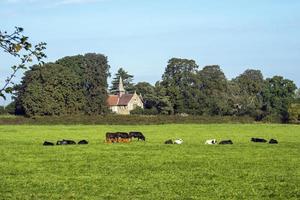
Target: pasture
[(151, 169)]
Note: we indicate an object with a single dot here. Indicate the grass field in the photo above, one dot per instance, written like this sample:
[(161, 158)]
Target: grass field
[(150, 170)]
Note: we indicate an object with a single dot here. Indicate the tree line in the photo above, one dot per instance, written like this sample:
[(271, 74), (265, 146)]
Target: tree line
[(78, 85)]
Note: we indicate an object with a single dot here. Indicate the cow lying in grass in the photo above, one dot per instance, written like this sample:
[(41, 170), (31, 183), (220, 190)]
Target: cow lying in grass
[(212, 141), (226, 142), (65, 142), (177, 141), (83, 142), (46, 143), (258, 140), (169, 142), (273, 141)]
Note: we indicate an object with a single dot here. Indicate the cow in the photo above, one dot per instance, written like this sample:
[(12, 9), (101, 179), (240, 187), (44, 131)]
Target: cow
[(123, 137), (226, 142), (273, 141), (83, 142), (178, 141), (137, 135), (65, 142), (112, 137), (169, 142), (258, 140), (46, 143), (212, 141)]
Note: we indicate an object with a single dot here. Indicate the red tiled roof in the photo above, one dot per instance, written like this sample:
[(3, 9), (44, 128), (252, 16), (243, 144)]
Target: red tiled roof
[(115, 100), (112, 100)]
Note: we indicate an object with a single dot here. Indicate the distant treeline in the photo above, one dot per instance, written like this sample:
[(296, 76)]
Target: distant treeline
[(77, 85)]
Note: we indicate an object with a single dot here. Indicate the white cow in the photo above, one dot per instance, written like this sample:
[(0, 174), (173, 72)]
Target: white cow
[(178, 141), (212, 141)]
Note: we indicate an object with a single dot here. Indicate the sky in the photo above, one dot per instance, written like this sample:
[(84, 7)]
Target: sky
[(142, 35)]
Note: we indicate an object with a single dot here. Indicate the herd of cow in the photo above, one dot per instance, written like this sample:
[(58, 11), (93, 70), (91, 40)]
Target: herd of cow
[(261, 140), (123, 137)]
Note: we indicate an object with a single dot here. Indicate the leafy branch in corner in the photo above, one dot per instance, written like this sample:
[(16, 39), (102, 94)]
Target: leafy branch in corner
[(17, 45)]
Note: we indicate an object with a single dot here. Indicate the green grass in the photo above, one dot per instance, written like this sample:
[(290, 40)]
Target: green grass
[(150, 170)]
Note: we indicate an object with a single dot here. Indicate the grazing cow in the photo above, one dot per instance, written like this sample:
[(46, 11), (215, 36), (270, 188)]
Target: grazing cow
[(226, 142), (123, 137), (169, 142), (46, 143), (137, 135), (112, 137), (83, 142), (273, 141), (65, 142), (258, 140), (178, 141), (212, 141)]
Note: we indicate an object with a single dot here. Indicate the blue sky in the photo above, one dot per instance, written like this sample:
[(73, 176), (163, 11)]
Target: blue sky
[(142, 35)]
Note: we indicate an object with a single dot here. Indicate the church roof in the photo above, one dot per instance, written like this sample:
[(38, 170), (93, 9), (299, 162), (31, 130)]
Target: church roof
[(116, 100), (124, 99), (112, 100)]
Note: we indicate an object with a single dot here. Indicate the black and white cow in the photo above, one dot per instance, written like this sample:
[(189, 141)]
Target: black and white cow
[(138, 135), (169, 142), (65, 142), (178, 141), (211, 141)]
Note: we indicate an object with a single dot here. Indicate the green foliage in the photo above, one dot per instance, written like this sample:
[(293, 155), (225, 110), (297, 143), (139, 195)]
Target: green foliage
[(70, 86), (294, 113), (95, 77), (51, 89), (178, 81), (213, 94), (19, 46), (278, 94), (150, 170), (246, 90), (127, 81), (144, 117)]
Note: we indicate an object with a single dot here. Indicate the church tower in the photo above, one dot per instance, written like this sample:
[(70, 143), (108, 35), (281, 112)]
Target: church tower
[(121, 89)]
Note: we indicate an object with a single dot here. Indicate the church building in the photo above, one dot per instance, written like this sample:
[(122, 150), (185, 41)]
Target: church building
[(122, 103)]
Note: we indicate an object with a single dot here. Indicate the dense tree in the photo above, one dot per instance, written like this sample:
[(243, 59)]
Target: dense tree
[(72, 85), (294, 112), (214, 98), (248, 96), (18, 45), (127, 81), (144, 88), (95, 88), (178, 81), (50, 89), (278, 94)]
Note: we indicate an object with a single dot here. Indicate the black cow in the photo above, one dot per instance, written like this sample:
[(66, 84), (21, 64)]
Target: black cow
[(83, 142), (65, 142), (137, 135), (46, 143), (273, 141), (226, 142), (169, 142), (258, 140)]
